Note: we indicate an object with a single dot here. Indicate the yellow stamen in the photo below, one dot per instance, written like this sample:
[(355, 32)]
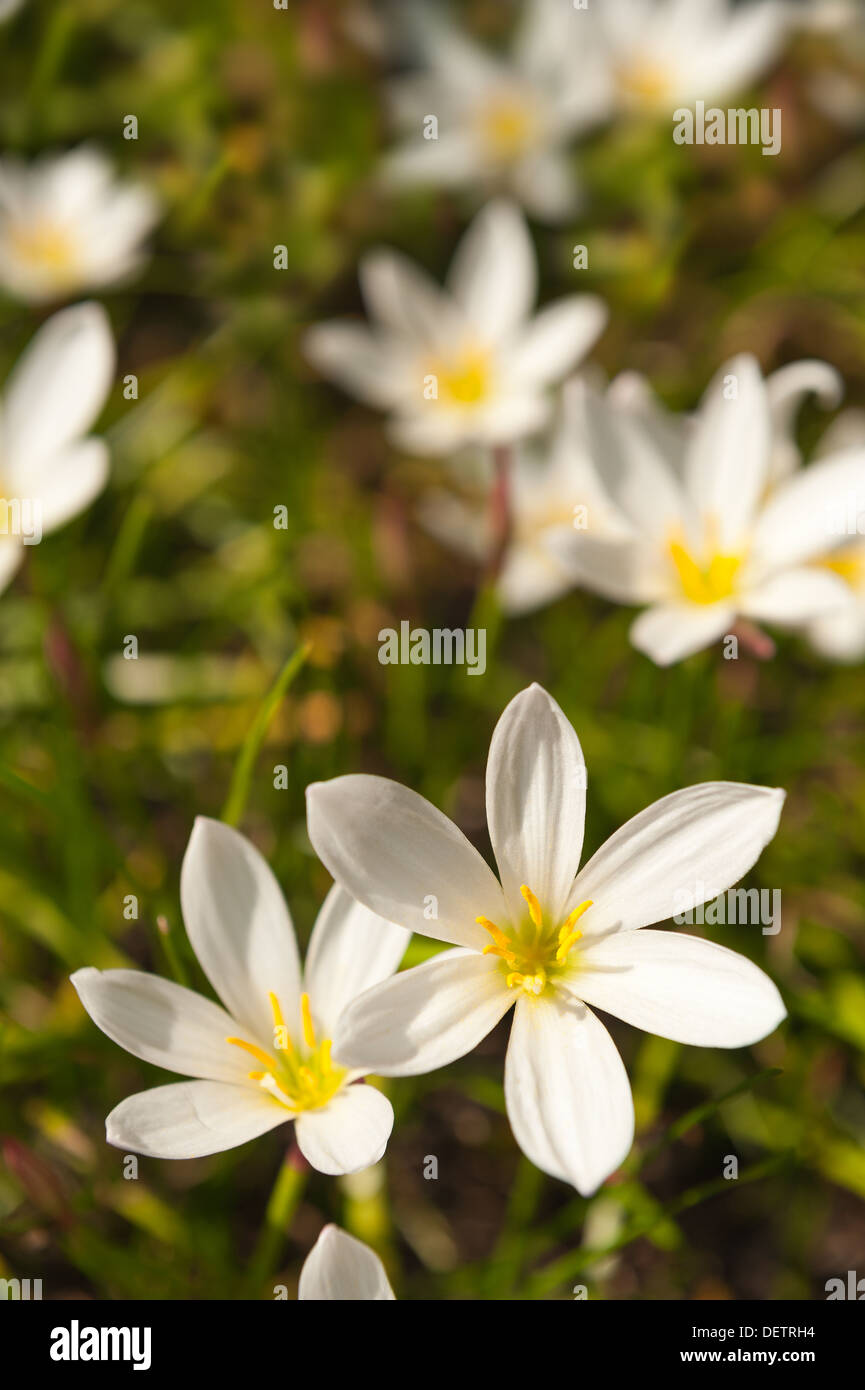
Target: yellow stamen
[(258, 1053), (708, 582), (534, 906), (257, 1075), (281, 1035), (308, 1030)]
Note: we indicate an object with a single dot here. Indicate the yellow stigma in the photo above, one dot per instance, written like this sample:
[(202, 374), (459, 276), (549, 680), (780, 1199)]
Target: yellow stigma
[(47, 247), (709, 579), (534, 951), (298, 1083), (507, 126), (643, 83), (464, 379)]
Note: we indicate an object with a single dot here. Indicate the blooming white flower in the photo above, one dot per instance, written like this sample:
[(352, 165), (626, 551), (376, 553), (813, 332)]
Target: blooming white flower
[(67, 225), (267, 1056), (658, 55), (49, 469), (502, 122), (467, 365), (713, 534), (548, 939), (342, 1268)]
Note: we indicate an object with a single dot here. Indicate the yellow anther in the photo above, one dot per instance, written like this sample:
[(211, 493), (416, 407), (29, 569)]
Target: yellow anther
[(325, 1054), (257, 1075), (306, 1014), (257, 1052), (281, 1035), (565, 946), (534, 906), (572, 917)]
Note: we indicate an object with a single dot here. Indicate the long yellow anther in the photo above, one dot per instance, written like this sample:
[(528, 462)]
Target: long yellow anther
[(574, 916), (256, 1075), (495, 932), (565, 946), (286, 1045), (257, 1052), (306, 1014), (534, 906)]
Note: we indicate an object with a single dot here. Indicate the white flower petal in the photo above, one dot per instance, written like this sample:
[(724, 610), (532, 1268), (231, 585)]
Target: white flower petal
[(805, 517), (786, 389), (351, 949), (795, 596), (557, 338), (67, 483), (679, 987), (350, 355), (669, 632), (190, 1119), (240, 928), (406, 300), (163, 1023), (840, 636), (728, 454), (426, 1017), (349, 1133), (536, 801), (338, 1267), (567, 1092), (57, 389), (679, 852), (492, 275), (402, 858)]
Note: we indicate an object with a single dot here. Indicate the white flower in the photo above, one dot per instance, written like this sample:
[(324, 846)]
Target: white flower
[(9, 7), (267, 1056), (468, 364), (658, 55), (342, 1268), (49, 469), (502, 121), (713, 534), (548, 939), (66, 225)]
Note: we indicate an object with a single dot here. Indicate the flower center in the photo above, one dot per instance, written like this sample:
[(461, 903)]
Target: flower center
[(642, 82), (47, 247), (464, 380), (508, 125), (301, 1081), (537, 951), (707, 580)]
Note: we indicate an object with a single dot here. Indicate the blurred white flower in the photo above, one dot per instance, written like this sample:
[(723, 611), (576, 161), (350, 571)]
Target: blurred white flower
[(338, 1267), (467, 364), (718, 527), (518, 942), (9, 7), (49, 469), (66, 224), (274, 1021), (657, 55), (502, 122)]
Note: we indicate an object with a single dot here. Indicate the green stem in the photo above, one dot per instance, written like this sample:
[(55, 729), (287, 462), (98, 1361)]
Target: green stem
[(284, 1201), (242, 777)]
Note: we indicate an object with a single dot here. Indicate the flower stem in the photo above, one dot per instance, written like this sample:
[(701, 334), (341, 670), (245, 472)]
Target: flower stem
[(283, 1203)]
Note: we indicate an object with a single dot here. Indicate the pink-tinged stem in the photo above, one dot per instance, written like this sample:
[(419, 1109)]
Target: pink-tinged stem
[(756, 642)]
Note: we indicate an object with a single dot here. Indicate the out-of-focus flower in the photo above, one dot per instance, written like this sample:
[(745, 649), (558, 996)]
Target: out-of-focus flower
[(501, 123), (468, 364), (66, 224), (657, 55), (49, 469), (518, 943), (714, 535), (9, 7), (241, 931), (341, 1268)]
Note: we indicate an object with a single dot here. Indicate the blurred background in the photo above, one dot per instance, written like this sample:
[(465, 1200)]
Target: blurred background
[(260, 127)]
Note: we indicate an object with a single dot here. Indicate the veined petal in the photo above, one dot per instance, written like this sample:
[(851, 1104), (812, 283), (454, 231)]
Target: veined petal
[(567, 1092), (679, 987), (668, 632), (347, 1134), (426, 1017), (239, 925), (190, 1119), (728, 454), (351, 949), (402, 858), (162, 1023), (536, 801), (338, 1267), (492, 276), (679, 852)]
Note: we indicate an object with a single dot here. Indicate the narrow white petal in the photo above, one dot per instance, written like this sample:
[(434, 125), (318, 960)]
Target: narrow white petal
[(163, 1023), (728, 455), (351, 356), (338, 1267), (786, 389), (65, 484), (567, 1092), (679, 987), (351, 949), (840, 636), (349, 1133), (190, 1119), (239, 926), (402, 858), (805, 518), (679, 852), (424, 1018), (796, 596), (536, 801), (492, 276), (557, 339), (668, 632)]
